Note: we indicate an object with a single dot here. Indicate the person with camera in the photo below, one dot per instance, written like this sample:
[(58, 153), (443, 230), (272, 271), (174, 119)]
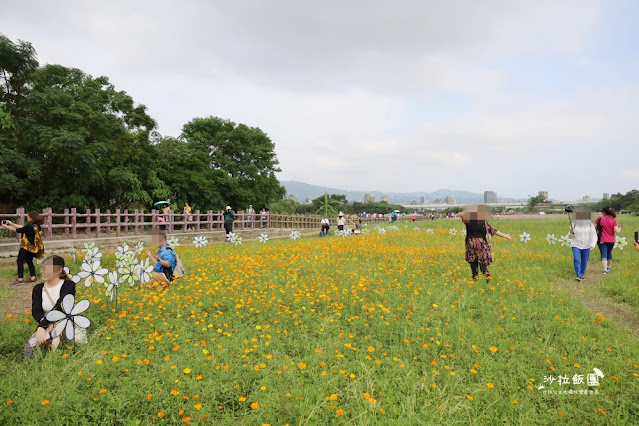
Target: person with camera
[(31, 244), (607, 228), (583, 239)]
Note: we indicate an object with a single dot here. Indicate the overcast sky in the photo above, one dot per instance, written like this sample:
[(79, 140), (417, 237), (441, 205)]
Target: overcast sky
[(510, 96)]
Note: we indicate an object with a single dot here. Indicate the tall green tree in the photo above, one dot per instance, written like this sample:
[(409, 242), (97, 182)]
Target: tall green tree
[(73, 140), (243, 157)]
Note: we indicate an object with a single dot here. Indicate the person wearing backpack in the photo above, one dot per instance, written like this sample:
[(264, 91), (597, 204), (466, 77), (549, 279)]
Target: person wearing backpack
[(31, 244), (165, 260)]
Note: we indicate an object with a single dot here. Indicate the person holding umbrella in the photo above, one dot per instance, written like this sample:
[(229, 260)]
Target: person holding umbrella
[(341, 221), (229, 217)]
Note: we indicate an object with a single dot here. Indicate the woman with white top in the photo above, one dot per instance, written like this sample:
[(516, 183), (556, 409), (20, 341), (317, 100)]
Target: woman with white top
[(583, 236), (46, 297), (341, 221)]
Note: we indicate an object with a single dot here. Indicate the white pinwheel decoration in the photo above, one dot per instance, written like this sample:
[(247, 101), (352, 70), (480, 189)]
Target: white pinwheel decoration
[(381, 230), (87, 247), (620, 242), (564, 240), (69, 317), (416, 229), (92, 255), (344, 233), (452, 231), (233, 238), (295, 235), (128, 273), (463, 232), (551, 239), (73, 253), (430, 231), (200, 241), (139, 248), (173, 242), (92, 272), (144, 271), (263, 238), (114, 285), (524, 237)]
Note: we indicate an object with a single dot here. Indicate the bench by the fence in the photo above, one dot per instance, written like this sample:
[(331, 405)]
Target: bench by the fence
[(97, 223)]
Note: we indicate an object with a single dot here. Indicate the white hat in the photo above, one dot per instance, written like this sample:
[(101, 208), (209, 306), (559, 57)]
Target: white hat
[(228, 207), (341, 214)]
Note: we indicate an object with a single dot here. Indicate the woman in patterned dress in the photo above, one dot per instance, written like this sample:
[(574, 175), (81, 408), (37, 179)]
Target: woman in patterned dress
[(479, 253)]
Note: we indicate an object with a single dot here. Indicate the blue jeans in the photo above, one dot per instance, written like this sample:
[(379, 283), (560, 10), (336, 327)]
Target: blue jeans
[(606, 250), (580, 258)]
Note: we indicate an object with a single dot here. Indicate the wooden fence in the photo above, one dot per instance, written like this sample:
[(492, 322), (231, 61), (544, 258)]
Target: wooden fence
[(97, 224)]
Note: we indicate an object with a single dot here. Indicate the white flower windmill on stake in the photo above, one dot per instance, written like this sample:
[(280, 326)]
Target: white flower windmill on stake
[(128, 273), (295, 235), (452, 231), (620, 242), (551, 239), (263, 238), (564, 240), (173, 242), (69, 318), (144, 270), (524, 237), (91, 272), (113, 287), (200, 241)]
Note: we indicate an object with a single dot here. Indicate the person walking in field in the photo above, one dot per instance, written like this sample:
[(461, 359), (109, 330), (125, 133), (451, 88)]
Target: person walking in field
[(479, 252), (229, 217), (341, 221), (414, 216), (583, 238), (607, 228), (31, 244)]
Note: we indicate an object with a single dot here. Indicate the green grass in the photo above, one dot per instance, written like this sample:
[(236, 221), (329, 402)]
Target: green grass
[(374, 329)]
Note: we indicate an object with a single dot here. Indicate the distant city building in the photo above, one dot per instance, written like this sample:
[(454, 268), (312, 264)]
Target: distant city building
[(606, 195), (544, 194), (437, 201), (368, 198), (404, 202), (384, 199), (413, 203), (585, 198), (449, 200), (490, 197), (423, 200)]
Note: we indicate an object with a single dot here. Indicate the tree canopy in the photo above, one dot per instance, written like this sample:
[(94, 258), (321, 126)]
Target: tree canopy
[(68, 139)]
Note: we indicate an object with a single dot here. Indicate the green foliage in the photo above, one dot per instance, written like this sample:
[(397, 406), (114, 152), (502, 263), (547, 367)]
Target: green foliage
[(68, 139), (619, 202), (533, 201)]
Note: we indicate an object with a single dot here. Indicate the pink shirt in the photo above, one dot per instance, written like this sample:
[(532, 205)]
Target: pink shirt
[(608, 223)]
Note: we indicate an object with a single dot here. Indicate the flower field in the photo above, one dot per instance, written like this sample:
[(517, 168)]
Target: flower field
[(386, 327)]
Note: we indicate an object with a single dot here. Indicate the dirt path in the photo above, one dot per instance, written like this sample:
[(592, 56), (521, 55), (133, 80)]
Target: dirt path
[(587, 292)]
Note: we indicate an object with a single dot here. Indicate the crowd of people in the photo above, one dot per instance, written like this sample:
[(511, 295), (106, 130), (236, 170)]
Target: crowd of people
[(584, 234)]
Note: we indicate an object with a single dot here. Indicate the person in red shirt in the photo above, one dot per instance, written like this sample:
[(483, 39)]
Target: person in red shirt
[(609, 228)]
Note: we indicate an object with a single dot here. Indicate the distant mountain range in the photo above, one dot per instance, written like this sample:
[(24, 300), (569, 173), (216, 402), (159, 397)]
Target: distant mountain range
[(301, 191)]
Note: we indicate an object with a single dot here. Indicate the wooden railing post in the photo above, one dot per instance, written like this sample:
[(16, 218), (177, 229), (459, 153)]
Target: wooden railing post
[(136, 222), (98, 223), (197, 222), (48, 220), (125, 221), (66, 223), (209, 220), (107, 225), (19, 220), (87, 222), (117, 222), (74, 222)]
